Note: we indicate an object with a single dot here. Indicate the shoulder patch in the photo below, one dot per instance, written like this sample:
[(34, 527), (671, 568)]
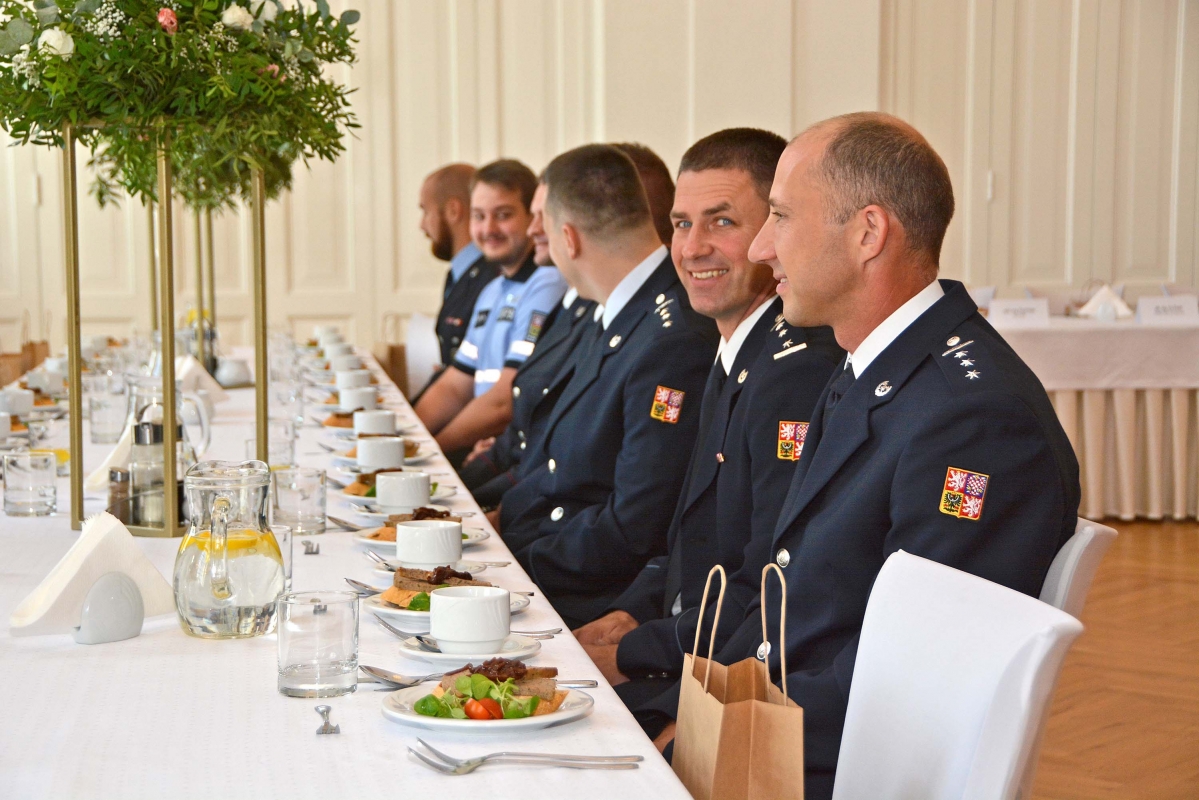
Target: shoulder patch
[(536, 323), (791, 439), (963, 494), (667, 405)]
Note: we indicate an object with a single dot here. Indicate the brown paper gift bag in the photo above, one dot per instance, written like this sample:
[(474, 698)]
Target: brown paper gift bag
[(738, 735)]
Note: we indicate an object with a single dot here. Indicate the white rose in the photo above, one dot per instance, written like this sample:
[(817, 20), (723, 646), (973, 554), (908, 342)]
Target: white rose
[(56, 42), (237, 18), (267, 8)]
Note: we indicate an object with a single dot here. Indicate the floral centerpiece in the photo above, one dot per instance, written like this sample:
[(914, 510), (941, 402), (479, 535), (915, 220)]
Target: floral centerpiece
[(238, 84)]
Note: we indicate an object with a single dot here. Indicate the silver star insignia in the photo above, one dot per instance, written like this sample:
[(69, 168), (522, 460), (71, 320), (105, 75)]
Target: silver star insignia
[(967, 363), (972, 374), (782, 333), (786, 344), (960, 354)]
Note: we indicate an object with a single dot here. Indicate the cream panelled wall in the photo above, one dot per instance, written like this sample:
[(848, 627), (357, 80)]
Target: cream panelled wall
[(1071, 130)]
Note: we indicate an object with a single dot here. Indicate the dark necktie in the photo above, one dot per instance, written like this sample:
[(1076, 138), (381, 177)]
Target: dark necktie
[(712, 390), (838, 389), (449, 284)]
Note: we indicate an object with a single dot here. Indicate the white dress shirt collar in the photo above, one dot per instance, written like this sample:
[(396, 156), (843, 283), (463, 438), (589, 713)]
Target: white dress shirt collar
[(629, 285), (881, 337), (727, 351), (569, 298)]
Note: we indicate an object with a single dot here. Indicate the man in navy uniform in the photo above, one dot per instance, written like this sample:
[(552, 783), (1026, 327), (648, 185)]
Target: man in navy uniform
[(934, 437), (490, 470), (588, 510), (472, 398), (445, 219), (759, 399)]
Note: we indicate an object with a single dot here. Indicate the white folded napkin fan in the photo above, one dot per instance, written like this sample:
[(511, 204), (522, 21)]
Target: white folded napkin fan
[(1105, 297), (100, 591)]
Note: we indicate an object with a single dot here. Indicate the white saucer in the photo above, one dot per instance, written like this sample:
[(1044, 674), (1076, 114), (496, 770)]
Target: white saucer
[(471, 537), (397, 707), (471, 567), (517, 648), (410, 620)]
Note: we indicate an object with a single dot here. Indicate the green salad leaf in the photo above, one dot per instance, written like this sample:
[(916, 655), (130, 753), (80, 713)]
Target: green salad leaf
[(419, 603), (477, 687), (370, 492)]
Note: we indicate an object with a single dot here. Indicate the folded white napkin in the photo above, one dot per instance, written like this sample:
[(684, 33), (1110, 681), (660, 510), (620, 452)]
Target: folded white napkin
[(192, 376), (1105, 296), (97, 481), (104, 546)]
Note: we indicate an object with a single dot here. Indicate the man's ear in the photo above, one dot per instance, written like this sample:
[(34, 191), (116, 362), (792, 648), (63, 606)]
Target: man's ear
[(454, 211), (574, 242), (873, 229)]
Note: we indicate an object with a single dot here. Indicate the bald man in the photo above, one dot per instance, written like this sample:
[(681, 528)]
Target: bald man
[(932, 437), (445, 219)]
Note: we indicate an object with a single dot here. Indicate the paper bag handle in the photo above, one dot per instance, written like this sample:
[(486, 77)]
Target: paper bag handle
[(782, 624), (715, 620)]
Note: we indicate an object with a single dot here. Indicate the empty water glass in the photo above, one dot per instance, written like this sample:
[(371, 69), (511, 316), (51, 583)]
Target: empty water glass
[(300, 499), (281, 444), (287, 400), (30, 484), (318, 644), (107, 417)]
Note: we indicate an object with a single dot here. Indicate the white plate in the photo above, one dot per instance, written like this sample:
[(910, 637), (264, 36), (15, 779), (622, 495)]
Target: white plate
[(515, 647), (418, 621), (397, 707), (350, 435), (419, 458), (470, 538), (380, 516), (472, 567)]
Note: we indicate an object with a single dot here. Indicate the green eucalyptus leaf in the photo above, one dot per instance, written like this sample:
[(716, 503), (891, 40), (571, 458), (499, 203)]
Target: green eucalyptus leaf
[(350, 17), (306, 55), (291, 47), (323, 7), (47, 15), (8, 44), (257, 26), (20, 31), (44, 4), (87, 6)]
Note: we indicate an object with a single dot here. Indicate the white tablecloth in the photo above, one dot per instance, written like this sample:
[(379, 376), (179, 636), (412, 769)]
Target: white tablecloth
[(1126, 395), (169, 716)]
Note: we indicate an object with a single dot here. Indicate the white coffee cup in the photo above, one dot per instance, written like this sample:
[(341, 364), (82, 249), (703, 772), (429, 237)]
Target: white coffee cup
[(5, 424), (53, 381), (428, 543), (386, 452), (401, 492), (352, 379), (56, 364), (320, 331), (18, 402), (334, 349), (344, 363), (232, 372), (376, 421), (357, 399), (470, 620), (36, 380)]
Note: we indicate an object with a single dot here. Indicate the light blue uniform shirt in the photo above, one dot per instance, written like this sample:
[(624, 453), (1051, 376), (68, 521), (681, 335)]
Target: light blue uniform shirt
[(509, 316), (461, 262)]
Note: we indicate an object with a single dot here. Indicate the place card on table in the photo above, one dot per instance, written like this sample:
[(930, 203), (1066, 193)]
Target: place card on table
[(1180, 309), (1027, 312)]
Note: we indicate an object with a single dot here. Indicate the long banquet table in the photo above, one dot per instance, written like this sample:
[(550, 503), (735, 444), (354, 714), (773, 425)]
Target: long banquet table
[(167, 715)]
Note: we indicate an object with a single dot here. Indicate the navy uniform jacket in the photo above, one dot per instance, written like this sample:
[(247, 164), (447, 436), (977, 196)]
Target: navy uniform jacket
[(593, 503), (738, 477), (456, 310), (946, 447), (494, 472)]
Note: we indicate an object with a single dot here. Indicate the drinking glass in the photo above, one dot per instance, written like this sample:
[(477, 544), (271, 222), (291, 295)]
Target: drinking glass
[(30, 488), (281, 444), (318, 644), (107, 417), (300, 499), (287, 400), (283, 537)]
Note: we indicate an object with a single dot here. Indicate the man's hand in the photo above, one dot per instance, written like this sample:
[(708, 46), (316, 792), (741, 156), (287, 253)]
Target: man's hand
[(481, 447), (608, 629), (665, 737), (493, 517), (604, 656)]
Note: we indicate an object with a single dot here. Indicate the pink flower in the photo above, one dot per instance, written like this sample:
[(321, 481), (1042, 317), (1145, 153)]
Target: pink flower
[(168, 21), (274, 70)]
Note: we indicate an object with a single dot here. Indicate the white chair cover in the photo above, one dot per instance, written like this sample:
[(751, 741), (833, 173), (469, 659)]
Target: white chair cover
[(421, 351), (1074, 567), (952, 677)]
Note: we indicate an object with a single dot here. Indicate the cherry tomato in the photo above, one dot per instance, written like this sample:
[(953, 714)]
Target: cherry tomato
[(493, 708), (476, 710)]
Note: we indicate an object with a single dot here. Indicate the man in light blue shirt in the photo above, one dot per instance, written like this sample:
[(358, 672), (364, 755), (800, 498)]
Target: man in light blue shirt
[(473, 398)]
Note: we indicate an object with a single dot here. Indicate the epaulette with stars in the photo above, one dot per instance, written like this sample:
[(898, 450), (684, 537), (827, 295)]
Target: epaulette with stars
[(662, 309), (962, 364), (786, 339)]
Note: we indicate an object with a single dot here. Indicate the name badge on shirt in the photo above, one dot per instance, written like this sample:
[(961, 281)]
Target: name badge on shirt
[(481, 318), (507, 314)]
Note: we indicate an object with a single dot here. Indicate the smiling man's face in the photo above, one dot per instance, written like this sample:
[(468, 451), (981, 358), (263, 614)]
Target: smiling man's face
[(716, 214)]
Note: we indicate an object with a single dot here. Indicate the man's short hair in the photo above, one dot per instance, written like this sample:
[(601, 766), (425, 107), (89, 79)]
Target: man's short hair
[(597, 188), (874, 158), (452, 182), (509, 174), (751, 150), (658, 183)]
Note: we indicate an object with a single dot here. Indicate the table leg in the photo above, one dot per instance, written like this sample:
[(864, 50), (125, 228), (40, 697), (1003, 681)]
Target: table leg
[(1094, 414), (1154, 436)]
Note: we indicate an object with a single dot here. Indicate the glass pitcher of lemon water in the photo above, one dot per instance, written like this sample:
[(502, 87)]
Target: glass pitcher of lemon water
[(229, 571)]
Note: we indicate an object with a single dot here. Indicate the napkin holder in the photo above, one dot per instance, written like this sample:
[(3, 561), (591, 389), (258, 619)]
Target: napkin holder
[(100, 591)]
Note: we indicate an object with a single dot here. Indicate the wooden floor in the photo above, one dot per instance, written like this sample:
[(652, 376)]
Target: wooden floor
[(1125, 719)]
